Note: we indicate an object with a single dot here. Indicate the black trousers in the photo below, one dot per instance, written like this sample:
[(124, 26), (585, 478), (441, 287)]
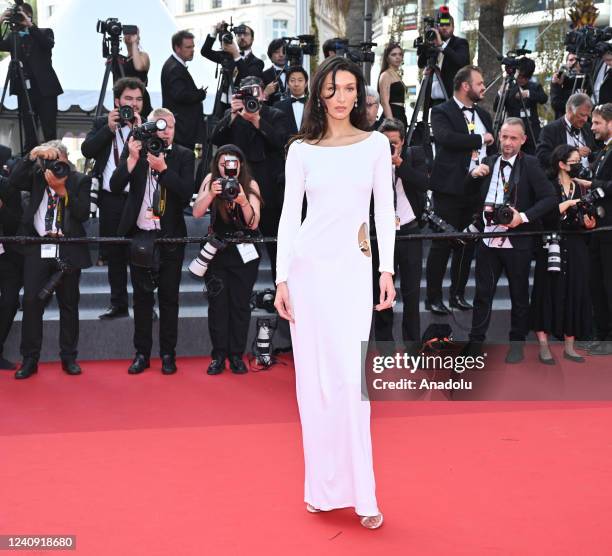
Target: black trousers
[(458, 212), (229, 282), (408, 260), (11, 280), (36, 273), (45, 115), (268, 226), (168, 283), (601, 283), (490, 262), (111, 208)]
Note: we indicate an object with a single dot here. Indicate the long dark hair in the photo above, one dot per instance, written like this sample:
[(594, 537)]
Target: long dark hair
[(384, 66), (314, 124), (559, 154), (244, 176)]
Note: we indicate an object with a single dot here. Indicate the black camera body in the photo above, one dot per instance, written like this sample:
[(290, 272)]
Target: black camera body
[(225, 34), (230, 187), (59, 168), (498, 215), (587, 206), (249, 98), (47, 290), (113, 27), (126, 114), (297, 47), (147, 134), (588, 43)]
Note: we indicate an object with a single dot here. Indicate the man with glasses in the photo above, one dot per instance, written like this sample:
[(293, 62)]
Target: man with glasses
[(372, 108)]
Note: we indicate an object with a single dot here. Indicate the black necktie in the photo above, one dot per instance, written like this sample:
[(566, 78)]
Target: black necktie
[(52, 200), (468, 109), (574, 131), (504, 163), (301, 99), (242, 53)]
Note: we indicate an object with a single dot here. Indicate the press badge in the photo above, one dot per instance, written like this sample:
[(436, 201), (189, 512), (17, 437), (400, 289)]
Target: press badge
[(48, 250), (149, 214), (525, 113), (247, 252), (471, 127)]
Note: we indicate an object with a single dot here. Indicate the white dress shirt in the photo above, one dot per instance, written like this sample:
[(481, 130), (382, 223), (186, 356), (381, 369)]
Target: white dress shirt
[(298, 112), (495, 195), (121, 135), (41, 212), (181, 61), (576, 140), (403, 210), (479, 129), (143, 222)]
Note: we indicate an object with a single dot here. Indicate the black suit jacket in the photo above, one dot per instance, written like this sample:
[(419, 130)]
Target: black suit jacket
[(263, 148), (454, 146), (270, 75), (555, 134), (456, 55), (28, 176), (605, 91), (98, 144), (182, 97), (286, 107), (11, 210), (247, 66), (35, 53), (177, 180), (602, 169), (560, 92), (531, 192)]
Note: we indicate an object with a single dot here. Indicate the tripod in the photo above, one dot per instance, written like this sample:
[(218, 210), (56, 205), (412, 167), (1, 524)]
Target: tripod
[(423, 102), (510, 83), (112, 58), (15, 72)]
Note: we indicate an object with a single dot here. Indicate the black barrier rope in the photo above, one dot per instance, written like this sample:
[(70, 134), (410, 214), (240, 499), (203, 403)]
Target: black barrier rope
[(262, 239)]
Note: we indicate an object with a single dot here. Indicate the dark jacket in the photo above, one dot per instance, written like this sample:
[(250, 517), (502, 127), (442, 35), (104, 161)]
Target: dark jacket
[(456, 55), (177, 180), (602, 169), (605, 91), (454, 146), (560, 92), (555, 134), (286, 107), (35, 54), (413, 173), (530, 192), (11, 210), (250, 65), (98, 144), (181, 96), (28, 176), (268, 76)]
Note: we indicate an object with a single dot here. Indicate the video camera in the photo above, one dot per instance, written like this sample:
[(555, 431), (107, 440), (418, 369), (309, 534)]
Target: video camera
[(297, 47), (15, 18), (588, 43), (356, 53), (228, 30), (513, 59), (111, 30), (425, 43), (147, 134)]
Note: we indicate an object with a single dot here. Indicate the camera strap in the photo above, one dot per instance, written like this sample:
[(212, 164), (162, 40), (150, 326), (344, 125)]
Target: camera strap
[(54, 211), (116, 152)]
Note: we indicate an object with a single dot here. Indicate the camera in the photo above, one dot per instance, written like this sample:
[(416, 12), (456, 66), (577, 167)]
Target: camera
[(249, 96), (47, 290), (262, 343), (146, 133), (59, 168), (425, 43), (588, 43), (225, 34), (263, 300), (112, 27), (297, 47), (15, 18), (553, 246), (199, 265), (230, 188), (587, 206), (514, 58), (437, 224), (498, 215), (126, 114)]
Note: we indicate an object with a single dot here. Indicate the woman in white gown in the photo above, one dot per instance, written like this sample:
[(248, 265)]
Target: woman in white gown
[(324, 282)]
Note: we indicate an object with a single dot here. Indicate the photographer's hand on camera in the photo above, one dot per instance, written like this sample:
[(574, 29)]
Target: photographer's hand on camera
[(516, 219), (396, 158), (271, 88), (157, 163), (480, 171), (566, 205), (589, 222), (134, 148), (47, 153)]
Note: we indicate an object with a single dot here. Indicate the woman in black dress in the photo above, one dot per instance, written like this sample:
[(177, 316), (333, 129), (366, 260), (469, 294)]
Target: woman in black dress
[(391, 88), (561, 301)]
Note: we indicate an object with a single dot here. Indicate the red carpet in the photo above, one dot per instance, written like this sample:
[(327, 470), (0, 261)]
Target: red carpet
[(192, 465)]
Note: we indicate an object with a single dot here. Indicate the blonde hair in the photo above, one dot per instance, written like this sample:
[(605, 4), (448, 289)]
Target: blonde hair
[(160, 113)]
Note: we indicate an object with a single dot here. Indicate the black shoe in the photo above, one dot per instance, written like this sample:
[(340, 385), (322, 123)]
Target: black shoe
[(114, 313), (237, 365), (27, 369), (546, 360), (217, 366), (574, 358), (6, 365), (515, 353), (285, 349), (437, 307), (168, 364), (459, 302), (71, 367), (139, 364)]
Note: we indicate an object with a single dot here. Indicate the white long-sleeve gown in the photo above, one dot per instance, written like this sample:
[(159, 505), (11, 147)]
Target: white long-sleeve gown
[(330, 289)]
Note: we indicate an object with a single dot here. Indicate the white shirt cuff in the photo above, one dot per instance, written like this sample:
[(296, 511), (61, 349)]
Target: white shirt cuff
[(524, 217)]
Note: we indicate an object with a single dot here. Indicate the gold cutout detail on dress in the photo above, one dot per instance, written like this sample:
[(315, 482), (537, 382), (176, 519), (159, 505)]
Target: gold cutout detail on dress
[(363, 237)]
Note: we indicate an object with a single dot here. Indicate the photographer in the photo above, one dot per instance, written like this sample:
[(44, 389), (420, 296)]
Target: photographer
[(561, 300), (275, 77), (236, 55), (232, 272), (105, 143), (453, 54), (58, 206), (563, 83), (514, 194), (602, 82), (160, 187), (522, 102), (463, 133), (372, 108), (410, 188), (293, 107), (35, 46), (569, 130), (136, 64), (261, 135), (11, 260), (180, 94)]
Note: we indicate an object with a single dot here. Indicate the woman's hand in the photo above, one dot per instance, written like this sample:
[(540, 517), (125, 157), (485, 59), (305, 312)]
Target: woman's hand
[(241, 198), (281, 302), (387, 292), (215, 188), (567, 204), (582, 183), (589, 222)]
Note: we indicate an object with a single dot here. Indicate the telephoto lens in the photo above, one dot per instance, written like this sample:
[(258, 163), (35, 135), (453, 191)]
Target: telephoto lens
[(553, 247), (199, 265), (93, 196)]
